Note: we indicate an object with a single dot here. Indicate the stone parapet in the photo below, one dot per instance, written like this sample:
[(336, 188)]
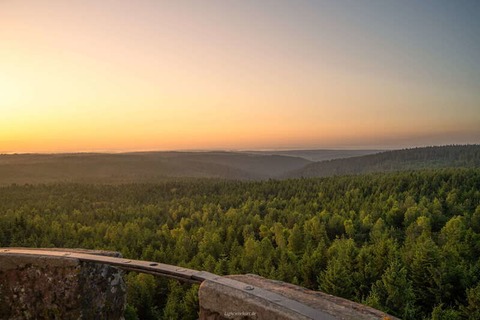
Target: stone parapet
[(42, 287), (219, 302), (85, 284)]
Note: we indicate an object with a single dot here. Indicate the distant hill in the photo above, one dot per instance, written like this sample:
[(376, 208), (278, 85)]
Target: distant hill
[(397, 160), (142, 166), (256, 165), (318, 155)]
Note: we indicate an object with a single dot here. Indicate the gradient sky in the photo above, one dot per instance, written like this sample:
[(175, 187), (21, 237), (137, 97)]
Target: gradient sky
[(116, 75)]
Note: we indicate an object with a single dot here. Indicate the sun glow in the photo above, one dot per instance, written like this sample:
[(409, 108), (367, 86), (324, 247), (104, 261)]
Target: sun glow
[(88, 75)]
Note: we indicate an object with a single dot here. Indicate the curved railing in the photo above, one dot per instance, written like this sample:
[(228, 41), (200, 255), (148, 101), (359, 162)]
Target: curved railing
[(267, 297)]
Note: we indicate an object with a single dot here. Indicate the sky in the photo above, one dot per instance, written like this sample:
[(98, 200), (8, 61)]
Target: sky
[(118, 75)]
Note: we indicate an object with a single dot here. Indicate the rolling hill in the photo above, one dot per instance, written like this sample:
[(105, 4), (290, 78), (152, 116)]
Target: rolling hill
[(318, 155), (142, 166), (158, 166), (396, 160)]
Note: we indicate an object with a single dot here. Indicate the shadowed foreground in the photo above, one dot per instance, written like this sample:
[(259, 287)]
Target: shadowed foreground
[(73, 284)]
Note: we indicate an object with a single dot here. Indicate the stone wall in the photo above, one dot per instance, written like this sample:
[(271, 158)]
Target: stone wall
[(219, 302), (82, 284), (34, 287)]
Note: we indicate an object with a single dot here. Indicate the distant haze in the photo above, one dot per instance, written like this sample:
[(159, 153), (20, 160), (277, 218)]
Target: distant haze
[(88, 75), (161, 166)]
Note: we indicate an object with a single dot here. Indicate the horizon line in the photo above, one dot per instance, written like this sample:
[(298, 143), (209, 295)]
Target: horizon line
[(239, 150)]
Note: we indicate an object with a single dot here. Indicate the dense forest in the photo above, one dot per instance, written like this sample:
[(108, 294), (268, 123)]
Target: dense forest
[(407, 243), (395, 160)]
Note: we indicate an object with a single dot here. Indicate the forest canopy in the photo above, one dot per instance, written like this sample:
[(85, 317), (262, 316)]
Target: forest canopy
[(407, 243)]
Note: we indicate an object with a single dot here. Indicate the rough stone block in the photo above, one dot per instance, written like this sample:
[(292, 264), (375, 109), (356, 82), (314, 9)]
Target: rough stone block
[(39, 287), (219, 302)]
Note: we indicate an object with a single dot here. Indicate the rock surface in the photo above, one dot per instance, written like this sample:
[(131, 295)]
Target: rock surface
[(34, 287), (220, 302)]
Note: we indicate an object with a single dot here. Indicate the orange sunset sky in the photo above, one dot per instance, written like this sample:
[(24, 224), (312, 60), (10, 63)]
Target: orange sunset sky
[(177, 75)]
